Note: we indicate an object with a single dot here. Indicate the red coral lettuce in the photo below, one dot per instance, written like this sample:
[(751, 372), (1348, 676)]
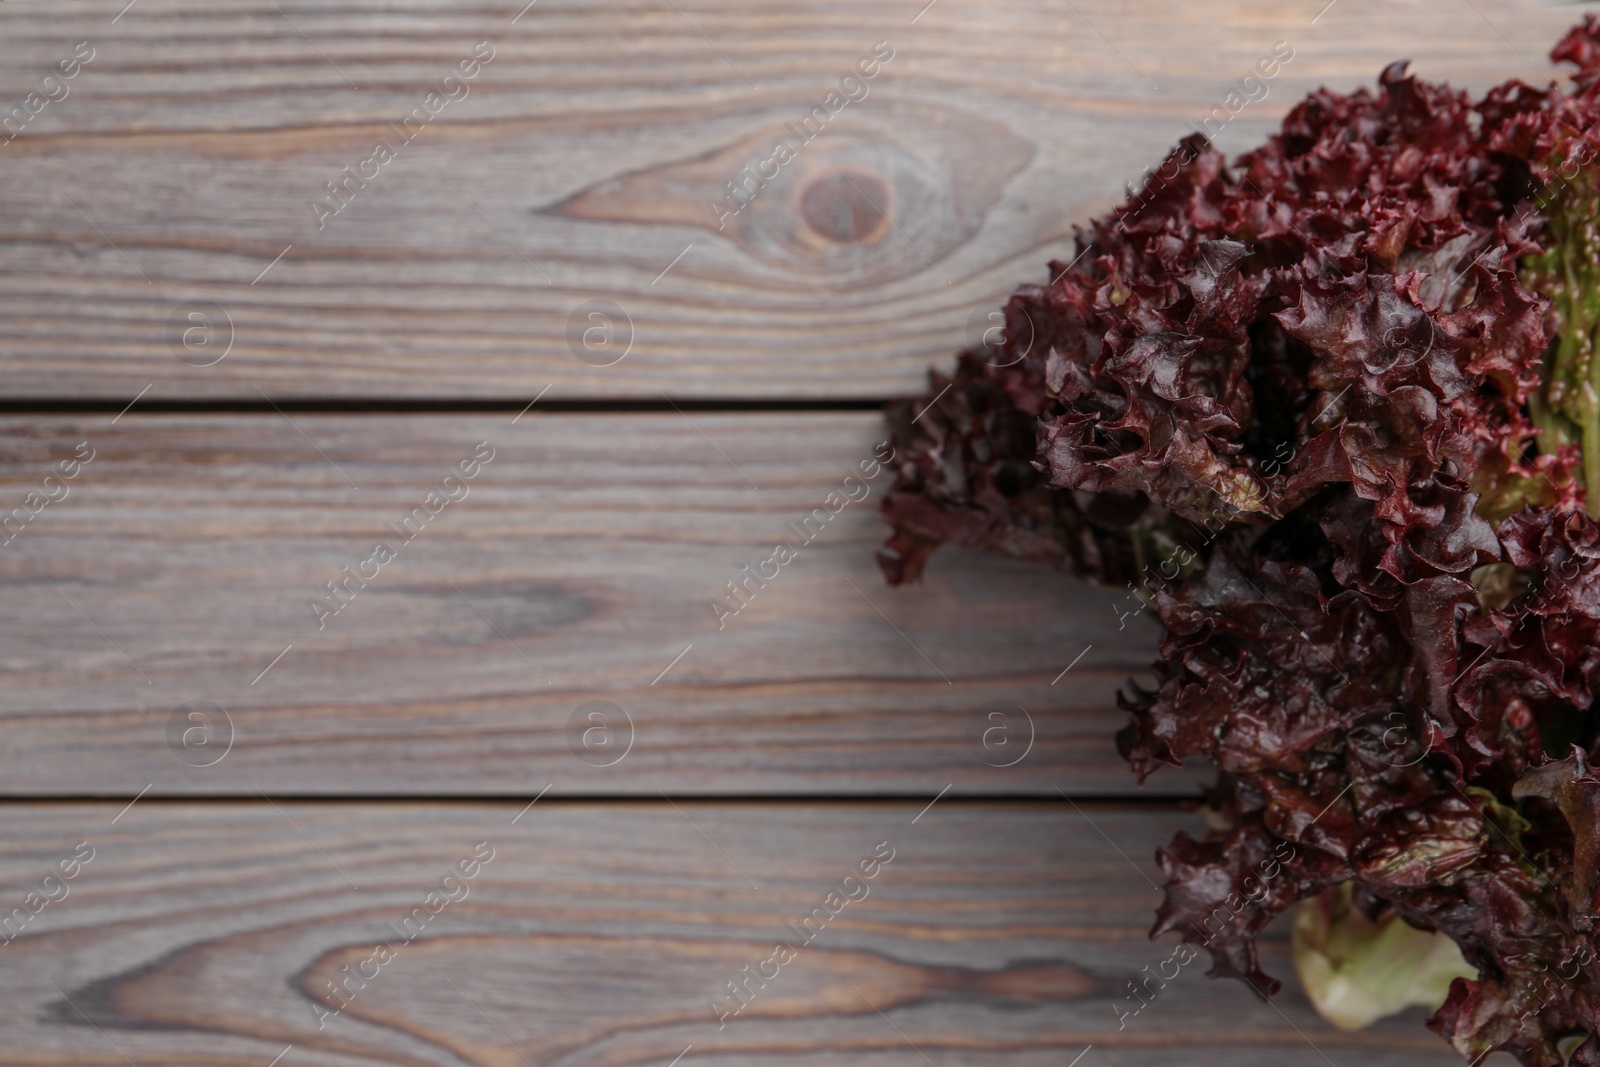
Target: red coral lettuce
[(1334, 409)]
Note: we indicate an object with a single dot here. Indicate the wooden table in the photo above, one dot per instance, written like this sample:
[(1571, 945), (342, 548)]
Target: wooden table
[(276, 744)]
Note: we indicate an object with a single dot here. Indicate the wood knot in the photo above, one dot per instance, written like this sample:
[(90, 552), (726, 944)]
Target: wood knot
[(847, 205), (885, 198)]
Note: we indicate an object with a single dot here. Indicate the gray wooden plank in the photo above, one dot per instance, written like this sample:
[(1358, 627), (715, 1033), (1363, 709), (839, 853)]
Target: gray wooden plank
[(185, 157), (601, 933), (580, 564)]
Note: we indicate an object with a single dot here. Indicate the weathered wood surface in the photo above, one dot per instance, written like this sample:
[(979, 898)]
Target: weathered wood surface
[(184, 158), (582, 561), (600, 934)]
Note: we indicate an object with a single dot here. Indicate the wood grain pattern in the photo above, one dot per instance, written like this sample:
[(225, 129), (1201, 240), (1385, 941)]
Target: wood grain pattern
[(579, 167), (599, 935), (579, 566)]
